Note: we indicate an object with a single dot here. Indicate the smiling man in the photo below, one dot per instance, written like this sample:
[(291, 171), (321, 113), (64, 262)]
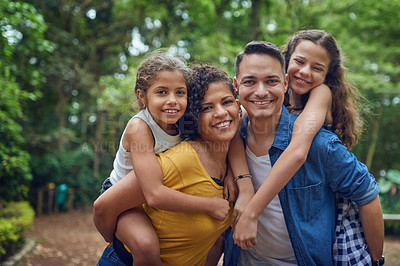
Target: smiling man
[(297, 227)]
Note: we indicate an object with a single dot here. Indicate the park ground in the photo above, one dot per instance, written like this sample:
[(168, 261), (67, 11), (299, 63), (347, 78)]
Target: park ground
[(72, 239)]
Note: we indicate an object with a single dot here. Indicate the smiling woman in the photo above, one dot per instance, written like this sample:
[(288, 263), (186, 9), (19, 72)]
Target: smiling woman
[(204, 78), (218, 108)]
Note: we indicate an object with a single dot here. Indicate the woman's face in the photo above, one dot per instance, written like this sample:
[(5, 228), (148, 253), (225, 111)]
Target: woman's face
[(219, 119), (308, 66)]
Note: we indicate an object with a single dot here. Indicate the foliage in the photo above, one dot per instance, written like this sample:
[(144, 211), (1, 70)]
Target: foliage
[(15, 219), (390, 181), (87, 82), (14, 169), (371, 47), (22, 36), (391, 205), (22, 42), (73, 169), (389, 185)]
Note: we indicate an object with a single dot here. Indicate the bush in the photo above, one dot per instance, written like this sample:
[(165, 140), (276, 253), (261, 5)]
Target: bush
[(389, 185), (15, 219), (15, 174), (73, 168)]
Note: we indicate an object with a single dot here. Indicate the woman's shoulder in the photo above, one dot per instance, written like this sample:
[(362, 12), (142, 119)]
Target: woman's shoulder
[(179, 158), (179, 151)]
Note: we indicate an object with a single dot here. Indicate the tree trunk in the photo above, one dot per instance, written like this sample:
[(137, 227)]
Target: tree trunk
[(62, 116), (98, 145), (374, 137), (255, 20)]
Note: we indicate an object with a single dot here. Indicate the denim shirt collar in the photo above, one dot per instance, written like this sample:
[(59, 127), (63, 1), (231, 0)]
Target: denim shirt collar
[(283, 133)]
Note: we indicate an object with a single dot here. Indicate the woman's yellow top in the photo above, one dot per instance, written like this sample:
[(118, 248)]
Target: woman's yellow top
[(186, 238)]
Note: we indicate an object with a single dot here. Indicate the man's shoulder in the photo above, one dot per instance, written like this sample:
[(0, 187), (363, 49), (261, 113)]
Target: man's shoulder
[(326, 135), (323, 135)]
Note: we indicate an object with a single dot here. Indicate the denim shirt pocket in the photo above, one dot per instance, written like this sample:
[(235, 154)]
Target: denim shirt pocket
[(306, 201)]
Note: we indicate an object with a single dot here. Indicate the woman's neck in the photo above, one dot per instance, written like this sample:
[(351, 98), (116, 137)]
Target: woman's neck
[(213, 156), (218, 150)]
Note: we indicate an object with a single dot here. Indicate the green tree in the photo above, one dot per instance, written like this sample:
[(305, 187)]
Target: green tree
[(371, 45), (92, 39), (99, 44), (21, 39)]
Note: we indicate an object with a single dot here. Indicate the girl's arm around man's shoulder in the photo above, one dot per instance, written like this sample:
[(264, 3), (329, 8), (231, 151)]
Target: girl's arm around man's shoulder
[(345, 173)]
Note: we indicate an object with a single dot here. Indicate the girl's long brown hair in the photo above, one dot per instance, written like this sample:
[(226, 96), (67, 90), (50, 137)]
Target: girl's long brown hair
[(345, 97)]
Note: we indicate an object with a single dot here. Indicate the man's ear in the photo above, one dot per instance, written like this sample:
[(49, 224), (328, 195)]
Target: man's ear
[(235, 82), (286, 82), (142, 97)]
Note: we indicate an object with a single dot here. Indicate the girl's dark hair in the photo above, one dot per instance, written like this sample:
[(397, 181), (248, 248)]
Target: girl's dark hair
[(345, 97), (202, 76), (148, 71)]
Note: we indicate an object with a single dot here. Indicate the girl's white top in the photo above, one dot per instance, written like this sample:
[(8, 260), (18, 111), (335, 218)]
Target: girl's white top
[(162, 141)]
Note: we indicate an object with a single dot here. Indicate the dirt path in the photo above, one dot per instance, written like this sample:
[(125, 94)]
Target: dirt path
[(65, 239), (72, 239)]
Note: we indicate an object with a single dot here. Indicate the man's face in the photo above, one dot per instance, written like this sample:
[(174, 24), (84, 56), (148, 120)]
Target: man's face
[(261, 85)]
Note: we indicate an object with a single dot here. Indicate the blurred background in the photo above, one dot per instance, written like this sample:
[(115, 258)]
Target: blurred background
[(67, 73)]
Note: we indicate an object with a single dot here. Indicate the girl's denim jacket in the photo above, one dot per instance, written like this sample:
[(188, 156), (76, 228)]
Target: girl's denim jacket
[(308, 200)]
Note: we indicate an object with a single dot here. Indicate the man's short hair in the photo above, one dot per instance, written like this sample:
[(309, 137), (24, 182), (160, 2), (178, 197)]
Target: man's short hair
[(260, 47)]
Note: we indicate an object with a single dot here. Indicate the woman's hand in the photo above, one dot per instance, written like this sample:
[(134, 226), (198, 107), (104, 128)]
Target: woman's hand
[(245, 231), (219, 208)]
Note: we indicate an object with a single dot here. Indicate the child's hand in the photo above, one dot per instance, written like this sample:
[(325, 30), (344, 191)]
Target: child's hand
[(241, 203), (245, 231), (246, 193), (219, 208), (230, 188)]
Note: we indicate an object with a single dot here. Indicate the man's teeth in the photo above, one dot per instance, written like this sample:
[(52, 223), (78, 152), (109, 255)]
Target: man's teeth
[(171, 111), (263, 102)]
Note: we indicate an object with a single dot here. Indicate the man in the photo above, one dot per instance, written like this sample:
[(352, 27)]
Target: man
[(298, 225)]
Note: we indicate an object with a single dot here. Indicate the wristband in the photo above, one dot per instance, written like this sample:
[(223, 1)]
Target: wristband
[(378, 262), (242, 176)]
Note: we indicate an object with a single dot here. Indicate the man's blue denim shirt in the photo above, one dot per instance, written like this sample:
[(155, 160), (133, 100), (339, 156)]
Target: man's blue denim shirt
[(308, 200)]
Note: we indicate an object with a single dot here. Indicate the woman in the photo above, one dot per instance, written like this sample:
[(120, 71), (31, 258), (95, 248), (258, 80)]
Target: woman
[(197, 167)]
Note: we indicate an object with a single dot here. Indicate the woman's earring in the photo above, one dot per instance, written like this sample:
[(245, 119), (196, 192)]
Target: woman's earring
[(240, 107)]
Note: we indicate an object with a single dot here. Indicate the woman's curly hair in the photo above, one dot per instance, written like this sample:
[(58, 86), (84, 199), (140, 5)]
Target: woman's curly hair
[(202, 76)]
